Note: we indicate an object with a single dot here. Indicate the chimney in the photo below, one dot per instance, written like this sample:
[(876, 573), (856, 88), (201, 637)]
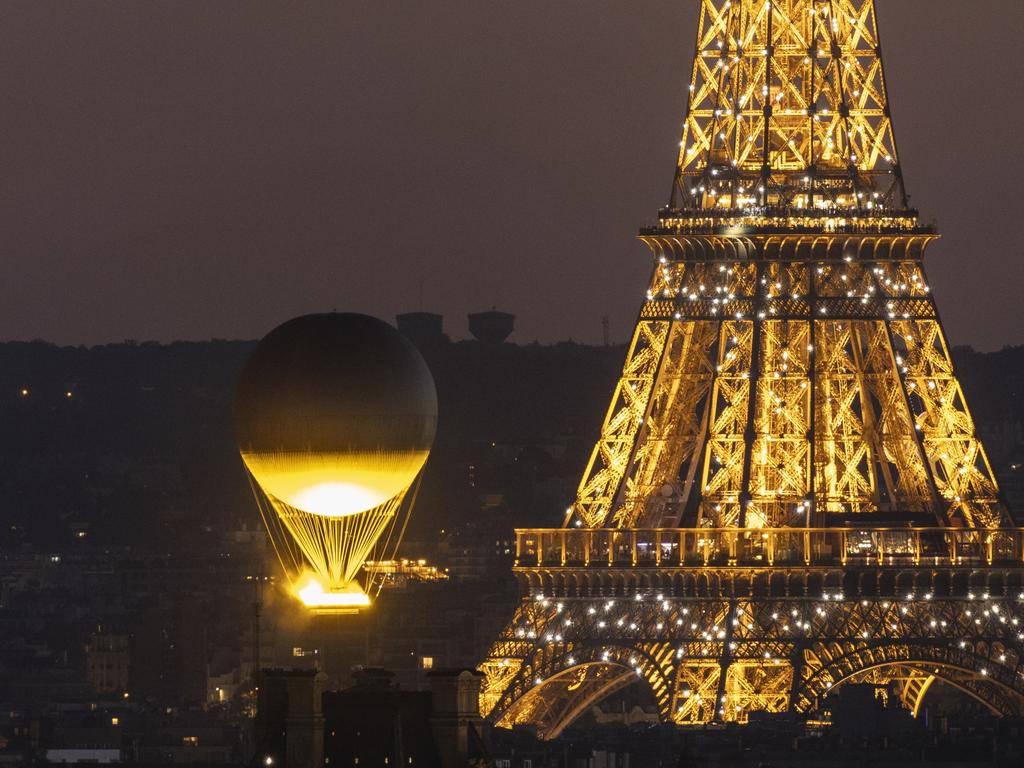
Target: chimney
[(455, 714), (304, 723)]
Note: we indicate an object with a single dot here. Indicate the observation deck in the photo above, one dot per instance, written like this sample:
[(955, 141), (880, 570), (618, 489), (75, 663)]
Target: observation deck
[(748, 220), (795, 562)]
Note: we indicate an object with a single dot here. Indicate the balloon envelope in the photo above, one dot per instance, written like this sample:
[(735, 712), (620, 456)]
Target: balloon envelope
[(335, 413)]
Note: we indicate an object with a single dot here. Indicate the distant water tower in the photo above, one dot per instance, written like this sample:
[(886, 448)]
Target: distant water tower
[(491, 327)]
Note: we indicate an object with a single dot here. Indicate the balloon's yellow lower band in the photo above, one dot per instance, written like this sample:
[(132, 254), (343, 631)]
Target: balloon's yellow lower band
[(334, 484)]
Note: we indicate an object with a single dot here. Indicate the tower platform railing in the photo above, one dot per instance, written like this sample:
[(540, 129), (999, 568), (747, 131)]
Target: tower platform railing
[(767, 547)]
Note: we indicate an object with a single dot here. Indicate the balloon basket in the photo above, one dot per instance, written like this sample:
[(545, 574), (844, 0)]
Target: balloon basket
[(323, 599)]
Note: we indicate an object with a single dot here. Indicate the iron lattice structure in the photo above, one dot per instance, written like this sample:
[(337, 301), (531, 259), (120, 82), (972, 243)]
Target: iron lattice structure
[(788, 109), (787, 493)]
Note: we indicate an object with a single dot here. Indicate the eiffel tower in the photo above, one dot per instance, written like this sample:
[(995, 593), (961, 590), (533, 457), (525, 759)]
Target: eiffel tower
[(787, 494)]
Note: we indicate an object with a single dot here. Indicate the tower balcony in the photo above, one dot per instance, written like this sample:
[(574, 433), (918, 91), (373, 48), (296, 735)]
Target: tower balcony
[(752, 219), (962, 563), (768, 547)]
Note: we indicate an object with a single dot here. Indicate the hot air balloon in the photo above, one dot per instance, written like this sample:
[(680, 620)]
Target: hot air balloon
[(334, 418)]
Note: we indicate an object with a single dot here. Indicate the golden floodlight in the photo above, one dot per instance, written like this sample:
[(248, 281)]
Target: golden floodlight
[(334, 416)]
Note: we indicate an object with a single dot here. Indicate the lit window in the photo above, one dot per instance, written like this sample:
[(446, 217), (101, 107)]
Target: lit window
[(190, 741), (427, 662), (115, 721)]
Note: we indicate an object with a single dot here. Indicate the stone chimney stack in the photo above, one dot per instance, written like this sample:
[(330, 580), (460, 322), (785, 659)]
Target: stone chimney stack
[(304, 723), (455, 717)]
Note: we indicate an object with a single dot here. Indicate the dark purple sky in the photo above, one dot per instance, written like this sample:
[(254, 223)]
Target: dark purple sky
[(208, 169)]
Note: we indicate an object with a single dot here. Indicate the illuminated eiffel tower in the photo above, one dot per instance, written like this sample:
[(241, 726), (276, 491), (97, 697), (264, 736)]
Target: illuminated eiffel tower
[(787, 493)]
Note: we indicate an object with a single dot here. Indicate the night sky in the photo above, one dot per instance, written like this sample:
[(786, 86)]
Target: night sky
[(207, 169)]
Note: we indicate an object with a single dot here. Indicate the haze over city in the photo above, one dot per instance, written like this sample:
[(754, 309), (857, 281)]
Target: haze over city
[(201, 173), (512, 385)]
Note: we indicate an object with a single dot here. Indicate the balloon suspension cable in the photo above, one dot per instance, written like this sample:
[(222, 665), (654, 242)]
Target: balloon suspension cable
[(336, 547), (271, 522), (375, 582)]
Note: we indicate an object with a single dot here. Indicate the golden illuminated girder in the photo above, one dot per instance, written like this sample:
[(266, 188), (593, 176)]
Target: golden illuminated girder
[(787, 380), (577, 690), (629, 406), (760, 686), (696, 692), (962, 473), (722, 481), (674, 428), (788, 110), (910, 684), (846, 465), (709, 659), (498, 676)]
